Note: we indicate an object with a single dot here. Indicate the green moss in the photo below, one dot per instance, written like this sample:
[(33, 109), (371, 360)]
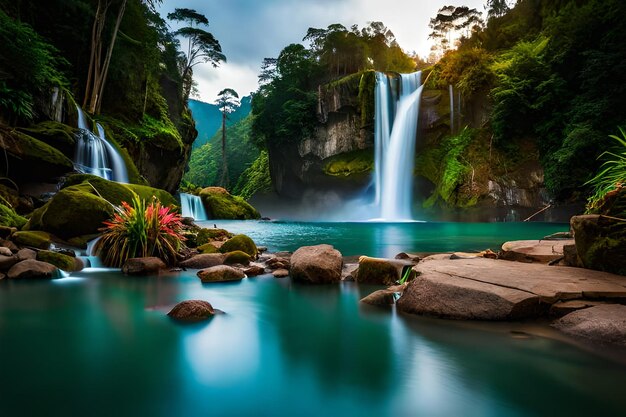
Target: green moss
[(350, 163), (376, 271), (208, 235), (73, 211), (58, 135), (146, 193), (240, 243), (255, 179), (35, 150), (35, 239), (208, 248), (367, 88), (237, 257), (8, 217), (61, 261), (220, 204)]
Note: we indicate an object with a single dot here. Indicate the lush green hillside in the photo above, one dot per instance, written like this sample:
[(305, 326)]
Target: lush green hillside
[(208, 118)]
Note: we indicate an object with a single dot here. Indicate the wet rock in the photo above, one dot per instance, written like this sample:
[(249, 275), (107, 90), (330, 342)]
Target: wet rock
[(143, 266), (8, 244), (349, 271), (380, 298), (380, 271), (61, 261), (203, 261), (220, 273), (254, 270), (192, 310), (7, 262), (605, 324), (261, 249), (278, 263), (35, 239), (26, 253), (541, 251), (319, 264), (280, 273), (5, 251), (32, 269)]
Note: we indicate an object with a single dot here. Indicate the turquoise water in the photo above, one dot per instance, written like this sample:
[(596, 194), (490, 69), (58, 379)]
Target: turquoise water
[(387, 239), (99, 344)]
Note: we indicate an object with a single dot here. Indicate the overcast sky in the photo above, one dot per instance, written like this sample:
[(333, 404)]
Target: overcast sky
[(250, 30)]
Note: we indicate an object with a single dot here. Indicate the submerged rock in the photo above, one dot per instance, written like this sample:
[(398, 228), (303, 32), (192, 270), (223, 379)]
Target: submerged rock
[(32, 269), (220, 273), (192, 310), (143, 266), (319, 264), (604, 324), (281, 273), (380, 298)]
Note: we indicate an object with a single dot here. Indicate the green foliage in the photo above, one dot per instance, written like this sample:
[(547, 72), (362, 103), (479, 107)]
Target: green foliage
[(8, 217), (469, 70), (350, 163), (140, 230), (256, 178), (28, 66), (612, 174)]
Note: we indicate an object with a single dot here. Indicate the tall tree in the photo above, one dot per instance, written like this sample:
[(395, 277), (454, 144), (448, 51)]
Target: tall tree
[(497, 8), (99, 58), (202, 47), (227, 101)]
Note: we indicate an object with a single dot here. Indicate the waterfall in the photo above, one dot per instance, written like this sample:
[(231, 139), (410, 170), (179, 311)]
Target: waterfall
[(451, 109), (395, 145), (191, 206), (95, 155)]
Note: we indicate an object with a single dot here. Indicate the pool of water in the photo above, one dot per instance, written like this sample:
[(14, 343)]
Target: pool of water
[(100, 344), (388, 239)]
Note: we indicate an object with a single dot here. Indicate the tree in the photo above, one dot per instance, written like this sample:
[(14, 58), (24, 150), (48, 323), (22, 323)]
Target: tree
[(496, 8), (99, 62), (450, 20), (227, 101), (202, 47)]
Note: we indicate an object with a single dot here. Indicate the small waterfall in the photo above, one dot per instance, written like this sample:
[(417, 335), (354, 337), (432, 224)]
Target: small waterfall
[(89, 257), (451, 109), (191, 206), (395, 146), (95, 155)]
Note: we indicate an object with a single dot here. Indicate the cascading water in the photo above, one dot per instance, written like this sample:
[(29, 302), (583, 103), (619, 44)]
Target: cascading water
[(95, 155), (395, 145), (191, 206)]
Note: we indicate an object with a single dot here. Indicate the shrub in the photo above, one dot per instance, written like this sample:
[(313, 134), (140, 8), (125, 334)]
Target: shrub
[(612, 175), (140, 231)]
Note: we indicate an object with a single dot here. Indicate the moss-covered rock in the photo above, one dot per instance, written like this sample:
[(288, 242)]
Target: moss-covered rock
[(61, 261), (378, 271), (220, 204), (23, 153), (210, 235), (9, 218), (208, 248), (601, 242), (58, 135), (35, 239), (146, 193), (240, 243), (237, 257), (350, 163), (73, 211)]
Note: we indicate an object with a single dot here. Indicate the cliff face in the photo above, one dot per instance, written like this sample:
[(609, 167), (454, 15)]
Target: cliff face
[(339, 157)]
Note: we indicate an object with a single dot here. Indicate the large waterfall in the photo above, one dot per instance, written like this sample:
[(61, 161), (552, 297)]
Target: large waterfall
[(191, 206), (95, 155), (395, 134)]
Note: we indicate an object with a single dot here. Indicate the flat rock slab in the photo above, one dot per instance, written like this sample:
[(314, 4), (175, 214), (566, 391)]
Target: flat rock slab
[(603, 324), (488, 289), (542, 251)]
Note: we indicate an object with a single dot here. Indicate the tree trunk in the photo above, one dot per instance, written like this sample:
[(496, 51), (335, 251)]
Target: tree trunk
[(224, 179)]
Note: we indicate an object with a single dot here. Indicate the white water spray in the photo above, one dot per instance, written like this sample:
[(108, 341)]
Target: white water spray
[(191, 206), (395, 146), (95, 155)]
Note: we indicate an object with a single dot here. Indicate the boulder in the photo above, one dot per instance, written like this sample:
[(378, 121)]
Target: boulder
[(280, 273), (61, 261), (240, 243), (7, 262), (26, 253), (237, 257), (8, 244), (31, 268), (208, 235), (380, 271), (35, 239), (380, 298), (220, 204), (203, 261), (192, 310), (143, 266), (220, 273), (254, 270), (208, 248), (5, 251), (542, 251), (319, 264), (9, 219), (601, 242), (605, 324), (278, 263)]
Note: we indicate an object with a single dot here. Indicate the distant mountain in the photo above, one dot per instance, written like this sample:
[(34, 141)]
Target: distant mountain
[(209, 118)]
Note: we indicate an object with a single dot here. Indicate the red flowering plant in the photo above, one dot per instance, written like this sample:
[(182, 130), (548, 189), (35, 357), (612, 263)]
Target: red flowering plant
[(140, 231)]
